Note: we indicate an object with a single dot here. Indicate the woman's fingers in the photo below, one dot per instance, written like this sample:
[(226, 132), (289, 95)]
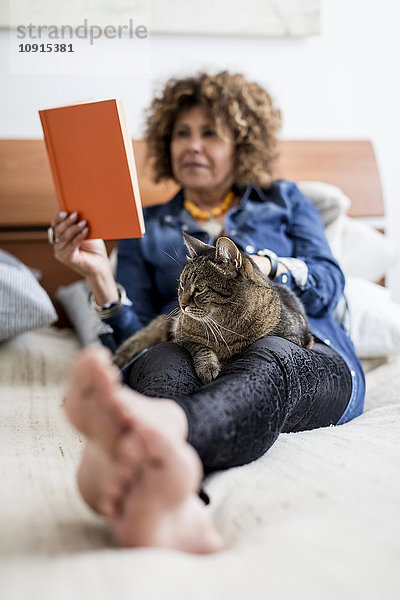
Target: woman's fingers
[(69, 233), (64, 224), (67, 228), (72, 234), (72, 248), (61, 223), (59, 218)]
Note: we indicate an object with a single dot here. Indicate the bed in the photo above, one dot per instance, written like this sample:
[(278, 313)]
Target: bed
[(317, 516)]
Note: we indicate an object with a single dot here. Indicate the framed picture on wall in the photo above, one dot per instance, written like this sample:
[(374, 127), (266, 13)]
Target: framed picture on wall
[(285, 18)]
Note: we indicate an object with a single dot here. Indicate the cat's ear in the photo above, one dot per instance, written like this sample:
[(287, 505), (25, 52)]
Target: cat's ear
[(195, 246), (227, 251)]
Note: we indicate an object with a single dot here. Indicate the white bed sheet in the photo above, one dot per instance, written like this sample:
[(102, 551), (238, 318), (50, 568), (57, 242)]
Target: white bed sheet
[(317, 517)]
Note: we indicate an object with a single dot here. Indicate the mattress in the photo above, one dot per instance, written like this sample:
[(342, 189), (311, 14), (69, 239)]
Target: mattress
[(318, 516)]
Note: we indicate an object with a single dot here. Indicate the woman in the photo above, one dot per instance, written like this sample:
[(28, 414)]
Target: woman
[(149, 442)]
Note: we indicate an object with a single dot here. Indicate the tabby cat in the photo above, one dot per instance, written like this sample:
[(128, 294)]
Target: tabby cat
[(225, 304)]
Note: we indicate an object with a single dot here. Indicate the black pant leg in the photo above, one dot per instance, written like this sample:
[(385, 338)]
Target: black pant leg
[(272, 386), (165, 371)]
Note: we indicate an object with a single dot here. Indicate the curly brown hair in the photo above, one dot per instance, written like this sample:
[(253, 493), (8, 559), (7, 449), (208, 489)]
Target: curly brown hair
[(243, 106)]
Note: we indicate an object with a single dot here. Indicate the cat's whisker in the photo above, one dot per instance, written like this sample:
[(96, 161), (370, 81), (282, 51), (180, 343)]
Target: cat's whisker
[(219, 332), (217, 328), (214, 334), (206, 330), (177, 255), (171, 314), (173, 258), (226, 329), (214, 326), (178, 333), (211, 329)]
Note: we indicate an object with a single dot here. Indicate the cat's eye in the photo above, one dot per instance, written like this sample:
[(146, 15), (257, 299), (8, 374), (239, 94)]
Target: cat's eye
[(199, 289)]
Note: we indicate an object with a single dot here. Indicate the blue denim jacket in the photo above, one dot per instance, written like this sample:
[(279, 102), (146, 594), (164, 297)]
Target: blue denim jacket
[(279, 218)]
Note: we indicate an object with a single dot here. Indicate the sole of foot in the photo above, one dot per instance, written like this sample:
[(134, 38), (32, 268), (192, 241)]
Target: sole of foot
[(150, 483)]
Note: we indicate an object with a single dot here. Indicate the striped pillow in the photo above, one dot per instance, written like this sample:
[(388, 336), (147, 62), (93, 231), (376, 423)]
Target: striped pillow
[(24, 304)]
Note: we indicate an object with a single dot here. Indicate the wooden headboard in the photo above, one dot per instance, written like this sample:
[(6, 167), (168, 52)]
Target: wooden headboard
[(28, 201)]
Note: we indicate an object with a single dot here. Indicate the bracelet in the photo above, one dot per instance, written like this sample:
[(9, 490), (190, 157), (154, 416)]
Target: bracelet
[(273, 258), (110, 308)]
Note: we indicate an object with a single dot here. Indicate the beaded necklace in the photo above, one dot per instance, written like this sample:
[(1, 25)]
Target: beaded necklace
[(205, 215), (211, 224)]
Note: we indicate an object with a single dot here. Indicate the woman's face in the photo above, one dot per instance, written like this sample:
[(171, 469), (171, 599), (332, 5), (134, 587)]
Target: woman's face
[(201, 160)]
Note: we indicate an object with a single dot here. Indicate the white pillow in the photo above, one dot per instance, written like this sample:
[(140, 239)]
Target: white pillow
[(374, 318), (332, 205), (24, 304), (365, 252), (360, 249), (330, 201)]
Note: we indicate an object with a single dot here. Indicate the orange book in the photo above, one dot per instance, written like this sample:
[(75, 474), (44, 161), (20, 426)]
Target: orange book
[(93, 166)]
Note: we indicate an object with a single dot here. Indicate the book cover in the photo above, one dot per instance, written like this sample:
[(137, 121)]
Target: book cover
[(93, 167)]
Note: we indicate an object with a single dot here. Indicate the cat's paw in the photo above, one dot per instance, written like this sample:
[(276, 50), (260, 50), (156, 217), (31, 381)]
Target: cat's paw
[(128, 350), (308, 340), (208, 371)]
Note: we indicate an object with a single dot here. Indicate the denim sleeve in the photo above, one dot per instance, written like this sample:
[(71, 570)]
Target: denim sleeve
[(135, 274), (325, 281)]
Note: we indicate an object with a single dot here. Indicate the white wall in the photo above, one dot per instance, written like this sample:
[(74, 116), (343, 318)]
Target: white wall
[(343, 84)]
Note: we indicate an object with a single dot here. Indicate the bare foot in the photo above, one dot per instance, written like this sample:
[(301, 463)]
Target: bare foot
[(137, 468), (98, 420)]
